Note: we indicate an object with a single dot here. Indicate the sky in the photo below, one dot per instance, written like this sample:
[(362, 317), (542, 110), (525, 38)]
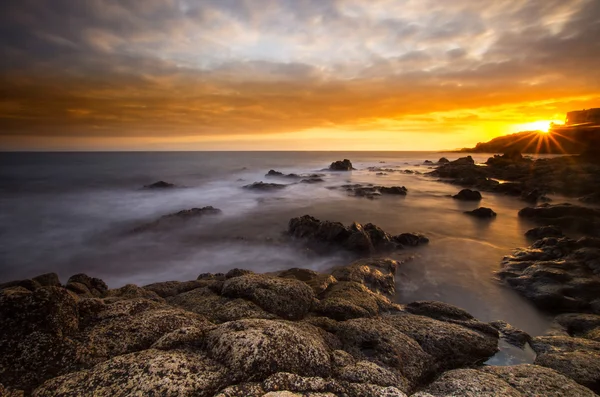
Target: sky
[(290, 74)]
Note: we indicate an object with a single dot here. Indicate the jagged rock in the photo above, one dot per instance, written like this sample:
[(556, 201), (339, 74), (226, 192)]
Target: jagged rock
[(255, 349), (346, 300), (171, 288), (319, 282), (263, 186), (287, 298), (86, 286), (468, 195), (451, 345), (463, 161), (482, 212), (159, 185), (357, 238), (576, 358), (376, 274), (142, 374), (449, 313), (344, 165), (510, 334), (544, 231)]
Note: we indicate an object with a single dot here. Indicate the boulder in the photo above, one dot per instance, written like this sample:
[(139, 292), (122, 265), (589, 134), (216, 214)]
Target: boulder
[(48, 280), (319, 282), (482, 212), (347, 299), (254, 349), (171, 288), (467, 195), (568, 216), (341, 165), (35, 336), (287, 298), (131, 291), (376, 274), (510, 334), (86, 286), (443, 160), (576, 358), (382, 344), (451, 345), (468, 383), (150, 372)]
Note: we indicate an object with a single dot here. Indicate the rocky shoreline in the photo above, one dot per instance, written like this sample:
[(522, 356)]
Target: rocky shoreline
[(298, 332)]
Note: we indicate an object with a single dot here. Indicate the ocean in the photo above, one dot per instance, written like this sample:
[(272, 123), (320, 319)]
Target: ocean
[(73, 213)]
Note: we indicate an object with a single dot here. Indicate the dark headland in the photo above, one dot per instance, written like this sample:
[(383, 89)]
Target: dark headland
[(298, 332), (580, 132)]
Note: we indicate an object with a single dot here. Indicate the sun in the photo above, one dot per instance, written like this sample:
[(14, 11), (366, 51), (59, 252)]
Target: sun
[(542, 126)]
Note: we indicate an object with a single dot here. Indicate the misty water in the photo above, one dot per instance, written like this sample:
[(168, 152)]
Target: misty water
[(72, 212)]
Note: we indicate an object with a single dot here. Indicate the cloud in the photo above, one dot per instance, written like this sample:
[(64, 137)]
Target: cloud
[(153, 68)]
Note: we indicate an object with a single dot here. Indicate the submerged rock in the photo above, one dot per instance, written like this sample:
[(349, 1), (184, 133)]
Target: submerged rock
[(178, 218), (468, 195), (544, 231), (341, 165), (263, 186), (159, 185), (482, 212)]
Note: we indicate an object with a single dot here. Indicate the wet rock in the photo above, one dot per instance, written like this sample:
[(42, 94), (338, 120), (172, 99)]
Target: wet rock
[(86, 286), (346, 300), (533, 196), (576, 358), (544, 231), (482, 212), (592, 198), (343, 165), (582, 325), (376, 274), (468, 195), (399, 190), (510, 334), (312, 180), (321, 235), (371, 191), (287, 298), (443, 160), (568, 216), (264, 187), (178, 218), (411, 239), (273, 173), (451, 345), (556, 274), (48, 280), (463, 161), (428, 162), (255, 349), (142, 373), (319, 282), (171, 288), (159, 185), (449, 313)]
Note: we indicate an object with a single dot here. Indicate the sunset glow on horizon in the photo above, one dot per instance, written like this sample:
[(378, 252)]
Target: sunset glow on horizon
[(291, 75)]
